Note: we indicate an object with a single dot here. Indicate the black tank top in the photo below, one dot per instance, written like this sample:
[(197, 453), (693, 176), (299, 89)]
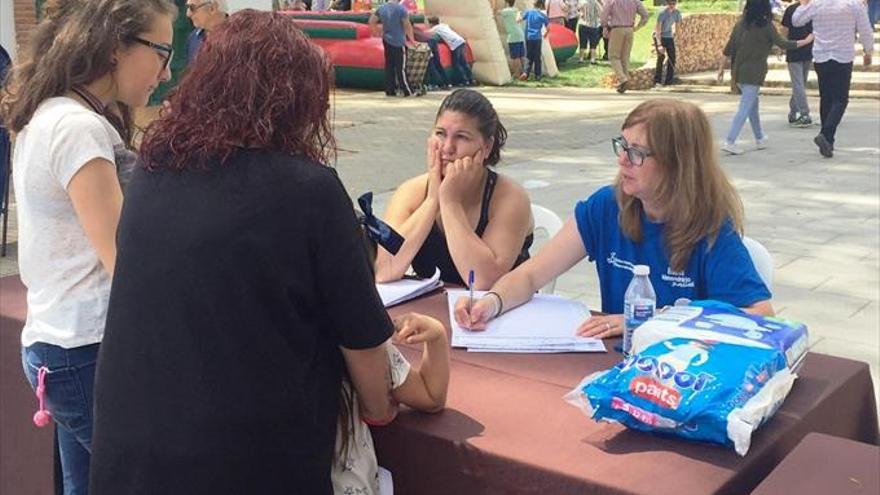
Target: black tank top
[(435, 253)]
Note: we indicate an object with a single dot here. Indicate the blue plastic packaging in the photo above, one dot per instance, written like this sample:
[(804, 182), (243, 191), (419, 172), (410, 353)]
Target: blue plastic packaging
[(714, 321), (691, 388)]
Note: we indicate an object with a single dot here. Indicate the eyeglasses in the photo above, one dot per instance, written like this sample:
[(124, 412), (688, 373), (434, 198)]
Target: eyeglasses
[(163, 50), (635, 156), (192, 7)]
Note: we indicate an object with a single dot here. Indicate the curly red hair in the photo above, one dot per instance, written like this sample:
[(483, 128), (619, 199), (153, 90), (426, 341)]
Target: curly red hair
[(257, 82)]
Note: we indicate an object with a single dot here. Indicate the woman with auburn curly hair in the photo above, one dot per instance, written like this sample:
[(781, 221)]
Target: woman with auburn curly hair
[(671, 208), (242, 287), (82, 68)]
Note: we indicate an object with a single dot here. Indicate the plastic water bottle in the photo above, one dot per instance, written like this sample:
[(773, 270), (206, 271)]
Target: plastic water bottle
[(639, 304)]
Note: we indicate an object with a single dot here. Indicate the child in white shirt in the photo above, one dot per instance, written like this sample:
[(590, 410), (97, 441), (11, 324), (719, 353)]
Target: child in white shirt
[(355, 469), (458, 46)]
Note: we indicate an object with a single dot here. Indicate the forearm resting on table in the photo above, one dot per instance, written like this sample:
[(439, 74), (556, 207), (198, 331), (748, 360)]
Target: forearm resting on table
[(760, 308), (426, 388), (371, 378), (517, 287), (560, 253)]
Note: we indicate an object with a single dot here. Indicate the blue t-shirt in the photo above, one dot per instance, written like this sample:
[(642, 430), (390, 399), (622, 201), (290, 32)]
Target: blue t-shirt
[(534, 20), (666, 20), (5, 64), (725, 272), (194, 44), (392, 15)]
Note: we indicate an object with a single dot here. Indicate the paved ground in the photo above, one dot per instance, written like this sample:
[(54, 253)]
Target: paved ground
[(819, 218)]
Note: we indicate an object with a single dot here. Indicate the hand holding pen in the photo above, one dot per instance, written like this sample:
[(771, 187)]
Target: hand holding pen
[(475, 315)]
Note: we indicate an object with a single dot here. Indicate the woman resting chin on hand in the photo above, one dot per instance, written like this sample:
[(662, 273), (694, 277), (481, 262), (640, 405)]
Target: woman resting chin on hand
[(460, 215)]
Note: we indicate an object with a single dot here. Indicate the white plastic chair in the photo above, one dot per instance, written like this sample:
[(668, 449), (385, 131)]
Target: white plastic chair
[(762, 260), (547, 224)]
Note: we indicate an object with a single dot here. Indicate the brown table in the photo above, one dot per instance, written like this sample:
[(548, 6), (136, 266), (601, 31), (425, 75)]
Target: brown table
[(507, 430), (26, 461), (822, 464)]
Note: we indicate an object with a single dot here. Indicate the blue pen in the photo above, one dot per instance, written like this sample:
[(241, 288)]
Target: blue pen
[(470, 290)]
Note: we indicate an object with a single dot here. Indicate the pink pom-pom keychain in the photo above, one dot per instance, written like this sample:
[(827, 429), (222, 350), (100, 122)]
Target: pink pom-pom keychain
[(42, 416)]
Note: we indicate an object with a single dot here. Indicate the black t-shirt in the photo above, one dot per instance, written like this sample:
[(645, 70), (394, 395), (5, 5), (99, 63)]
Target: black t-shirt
[(220, 369), (804, 53)]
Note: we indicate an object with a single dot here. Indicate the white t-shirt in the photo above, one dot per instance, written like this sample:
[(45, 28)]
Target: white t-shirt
[(450, 37), (360, 472), (321, 5), (67, 287)]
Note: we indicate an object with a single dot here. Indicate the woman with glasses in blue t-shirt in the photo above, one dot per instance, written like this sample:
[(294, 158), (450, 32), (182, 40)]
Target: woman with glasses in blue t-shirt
[(671, 208)]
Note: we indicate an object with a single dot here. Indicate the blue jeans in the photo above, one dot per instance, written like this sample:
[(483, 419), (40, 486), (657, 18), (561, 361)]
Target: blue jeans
[(436, 73), (748, 109), (459, 61), (533, 57), (799, 72), (69, 386)]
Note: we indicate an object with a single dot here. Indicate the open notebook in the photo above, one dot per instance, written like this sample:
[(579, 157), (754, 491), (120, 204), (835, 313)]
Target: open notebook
[(403, 290), (543, 325)]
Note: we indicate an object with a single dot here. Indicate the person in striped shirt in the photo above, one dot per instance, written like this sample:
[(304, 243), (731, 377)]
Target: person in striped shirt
[(620, 16), (590, 28)]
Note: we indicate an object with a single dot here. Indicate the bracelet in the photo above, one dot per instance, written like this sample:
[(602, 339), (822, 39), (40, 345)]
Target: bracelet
[(500, 302), (384, 421)]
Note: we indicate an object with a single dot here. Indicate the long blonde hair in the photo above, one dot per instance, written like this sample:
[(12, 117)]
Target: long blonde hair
[(697, 197), (73, 45)]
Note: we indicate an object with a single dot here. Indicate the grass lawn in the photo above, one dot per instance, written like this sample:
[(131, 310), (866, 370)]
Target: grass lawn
[(571, 73)]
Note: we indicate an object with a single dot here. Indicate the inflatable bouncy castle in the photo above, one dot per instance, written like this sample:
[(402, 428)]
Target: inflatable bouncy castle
[(479, 23), (358, 56), (475, 21)]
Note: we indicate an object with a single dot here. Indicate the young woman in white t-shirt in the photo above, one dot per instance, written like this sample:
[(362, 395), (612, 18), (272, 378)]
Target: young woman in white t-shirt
[(67, 102)]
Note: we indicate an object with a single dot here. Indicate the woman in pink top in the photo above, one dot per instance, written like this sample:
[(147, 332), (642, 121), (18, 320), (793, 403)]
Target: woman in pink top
[(556, 11)]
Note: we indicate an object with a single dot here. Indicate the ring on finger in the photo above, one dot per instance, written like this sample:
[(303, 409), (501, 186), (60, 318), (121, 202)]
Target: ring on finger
[(608, 326)]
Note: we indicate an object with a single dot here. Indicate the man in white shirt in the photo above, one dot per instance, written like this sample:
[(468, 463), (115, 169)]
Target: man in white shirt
[(834, 22)]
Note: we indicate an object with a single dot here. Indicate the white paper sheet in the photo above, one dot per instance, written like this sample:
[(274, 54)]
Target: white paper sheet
[(403, 290), (543, 325)]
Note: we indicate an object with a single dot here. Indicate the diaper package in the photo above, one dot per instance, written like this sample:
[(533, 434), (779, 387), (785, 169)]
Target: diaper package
[(706, 321), (695, 388)]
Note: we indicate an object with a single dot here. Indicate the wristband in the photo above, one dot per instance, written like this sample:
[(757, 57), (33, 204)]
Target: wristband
[(500, 303), (384, 421)]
